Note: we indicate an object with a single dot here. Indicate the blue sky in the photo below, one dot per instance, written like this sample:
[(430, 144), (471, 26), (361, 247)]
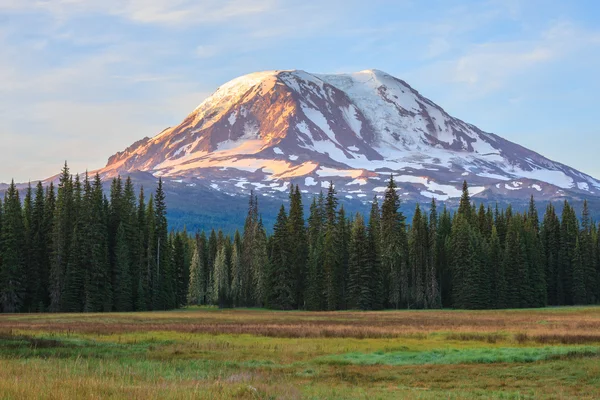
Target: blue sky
[(83, 79)]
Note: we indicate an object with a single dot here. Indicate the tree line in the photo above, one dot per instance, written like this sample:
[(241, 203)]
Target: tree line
[(475, 258), (75, 249)]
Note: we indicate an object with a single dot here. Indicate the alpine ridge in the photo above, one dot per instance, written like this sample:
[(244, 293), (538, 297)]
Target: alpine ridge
[(267, 130)]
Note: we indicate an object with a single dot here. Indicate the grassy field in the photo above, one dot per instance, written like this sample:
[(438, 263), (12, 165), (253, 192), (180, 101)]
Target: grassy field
[(257, 354)]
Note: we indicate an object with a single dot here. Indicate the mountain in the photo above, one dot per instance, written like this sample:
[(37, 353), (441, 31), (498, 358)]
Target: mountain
[(266, 130)]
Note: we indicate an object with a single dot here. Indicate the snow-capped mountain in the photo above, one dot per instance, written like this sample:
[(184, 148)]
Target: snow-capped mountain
[(266, 130)]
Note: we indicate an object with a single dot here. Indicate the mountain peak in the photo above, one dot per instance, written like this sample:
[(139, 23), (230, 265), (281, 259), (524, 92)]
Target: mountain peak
[(268, 129)]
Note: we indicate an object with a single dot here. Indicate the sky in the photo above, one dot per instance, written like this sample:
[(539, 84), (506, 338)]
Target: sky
[(83, 79)]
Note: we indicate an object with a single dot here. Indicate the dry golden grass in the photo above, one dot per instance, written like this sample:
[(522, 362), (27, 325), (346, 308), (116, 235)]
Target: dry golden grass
[(560, 325), (203, 353)]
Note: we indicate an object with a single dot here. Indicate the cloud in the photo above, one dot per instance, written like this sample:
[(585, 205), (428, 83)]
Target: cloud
[(483, 68), (206, 51), (161, 12)]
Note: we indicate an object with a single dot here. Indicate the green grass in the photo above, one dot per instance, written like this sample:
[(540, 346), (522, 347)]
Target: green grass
[(464, 356), (260, 354)]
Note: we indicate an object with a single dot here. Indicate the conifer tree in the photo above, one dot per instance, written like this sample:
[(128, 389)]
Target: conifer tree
[(419, 259), (587, 249), (550, 241), (195, 290), (360, 294), (461, 260), (61, 238), (464, 207), (122, 290), (12, 240), (298, 245), (314, 291), (434, 298), (281, 294), (221, 288), (98, 288), (393, 248), (497, 272), (236, 271), (29, 277), (247, 261), (569, 233), (74, 288), (373, 258), (39, 251), (261, 266)]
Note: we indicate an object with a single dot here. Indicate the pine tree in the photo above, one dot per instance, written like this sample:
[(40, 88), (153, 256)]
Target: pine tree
[(221, 288), (39, 251), (586, 239), (246, 296), (419, 259), (569, 233), (181, 271), (393, 248), (464, 207), (133, 238), (164, 291), (497, 272), (12, 250), (314, 291), (30, 273), (434, 297), (298, 245), (461, 259), (123, 286), (331, 252), (360, 293), (74, 287), (98, 288), (61, 238), (551, 242), (261, 266), (195, 288), (535, 259), (281, 294), (376, 281), (237, 271)]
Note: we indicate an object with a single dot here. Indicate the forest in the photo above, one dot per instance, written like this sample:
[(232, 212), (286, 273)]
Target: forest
[(74, 248)]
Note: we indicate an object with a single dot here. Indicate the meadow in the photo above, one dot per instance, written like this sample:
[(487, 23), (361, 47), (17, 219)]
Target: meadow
[(258, 354)]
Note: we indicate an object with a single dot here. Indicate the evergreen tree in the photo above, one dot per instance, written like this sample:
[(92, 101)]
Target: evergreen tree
[(373, 259), (393, 248), (12, 249), (551, 242), (74, 288), (261, 266), (460, 243), (98, 288), (123, 286), (195, 288), (331, 252), (281, 294), (434, 298), (237, 271), (61, 238), (221, 288), (496, 272), (360, 294), (419, 259), (164, 290), (569, 234), (298, 245)]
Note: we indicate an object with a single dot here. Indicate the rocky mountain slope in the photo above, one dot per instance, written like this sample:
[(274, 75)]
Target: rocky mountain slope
[(266, 130)]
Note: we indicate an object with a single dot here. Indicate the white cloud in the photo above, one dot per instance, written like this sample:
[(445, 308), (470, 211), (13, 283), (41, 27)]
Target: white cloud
[(163, 12)]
